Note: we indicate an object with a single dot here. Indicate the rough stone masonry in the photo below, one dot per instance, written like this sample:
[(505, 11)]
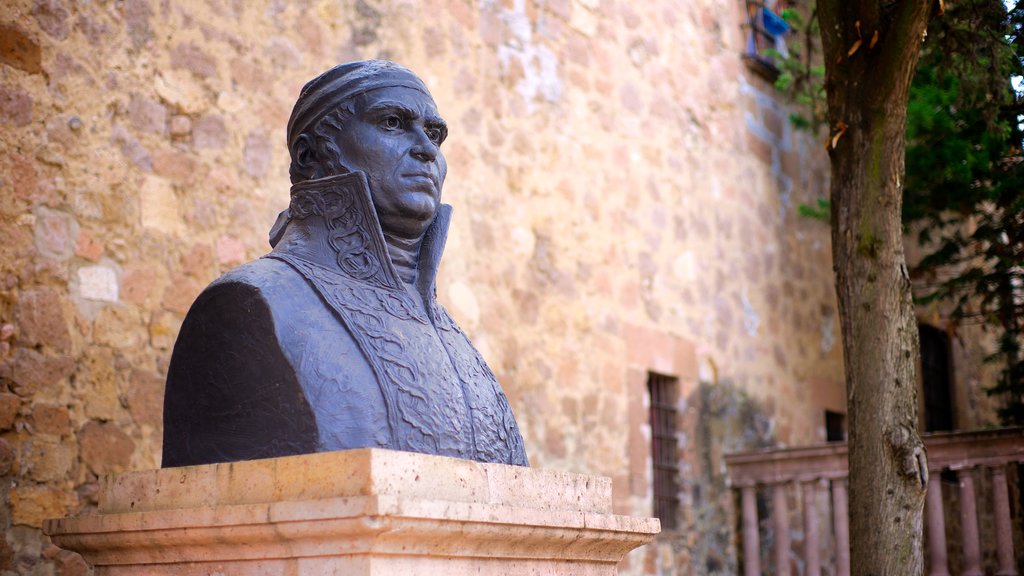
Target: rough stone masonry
[(625, 190)]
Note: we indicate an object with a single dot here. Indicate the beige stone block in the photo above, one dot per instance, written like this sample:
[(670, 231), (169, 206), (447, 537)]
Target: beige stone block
[(179, 89), (46, 459), (584, 20), (464, 305), (31, 505), (159, 206), (355, 512)]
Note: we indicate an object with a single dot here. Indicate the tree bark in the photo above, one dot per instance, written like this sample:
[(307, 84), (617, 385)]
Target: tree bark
[(867, 82)]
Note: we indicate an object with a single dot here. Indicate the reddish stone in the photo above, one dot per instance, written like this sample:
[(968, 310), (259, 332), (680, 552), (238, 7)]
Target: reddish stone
[(629, 16), (88, 246), (180, 295), (247, 75), (39, 315), (203, 214), (685, 360), (181, 126), (463, 12), (310, 35), (105, 448), (19, 50), (256, 158), (578, 49), (136, 15), (15, 106), (7, 456), (9, 406), (209, 132), (198, 262), (492, 29), (71, 564), (7, 555), (137, 284), (31, 371), (230, 251), (147, 115), (145, 398), (175, 166), (58, 131), (48, 419), (50, 551), (24, 179), (630, 99), (192, 58), (52, 17), (273, 113), (554, 442), (282, 53)]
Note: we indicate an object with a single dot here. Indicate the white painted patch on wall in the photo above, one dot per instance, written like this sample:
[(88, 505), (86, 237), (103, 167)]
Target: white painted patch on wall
[(828, 333), (684, 267), (751, 320), (98, 283), (538, 63)]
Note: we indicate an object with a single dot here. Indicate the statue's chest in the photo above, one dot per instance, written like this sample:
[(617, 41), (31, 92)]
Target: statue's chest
[(439, 395)]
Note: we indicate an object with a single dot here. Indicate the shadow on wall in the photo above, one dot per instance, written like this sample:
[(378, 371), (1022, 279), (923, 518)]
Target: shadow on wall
[(719, 419)]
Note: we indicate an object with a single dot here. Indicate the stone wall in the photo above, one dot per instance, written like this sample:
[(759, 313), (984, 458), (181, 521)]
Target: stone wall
[(624, 193)]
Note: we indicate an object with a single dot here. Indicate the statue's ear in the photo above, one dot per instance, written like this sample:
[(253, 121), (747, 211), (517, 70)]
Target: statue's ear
[(305, 156)]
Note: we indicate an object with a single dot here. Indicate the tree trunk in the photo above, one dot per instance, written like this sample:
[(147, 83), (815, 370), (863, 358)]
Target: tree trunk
[(867, 80)]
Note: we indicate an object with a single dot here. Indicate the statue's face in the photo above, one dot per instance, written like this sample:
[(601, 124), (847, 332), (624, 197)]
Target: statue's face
[(394, 136)]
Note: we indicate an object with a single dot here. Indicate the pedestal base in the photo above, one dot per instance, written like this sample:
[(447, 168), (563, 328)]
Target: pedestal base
[(359, 512)]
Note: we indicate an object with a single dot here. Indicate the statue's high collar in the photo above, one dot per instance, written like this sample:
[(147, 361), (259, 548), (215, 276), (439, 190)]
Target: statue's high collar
[(333, 224)]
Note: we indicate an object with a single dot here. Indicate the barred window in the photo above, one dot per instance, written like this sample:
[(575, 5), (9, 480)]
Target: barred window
[(664, 394), (835, 426), (766, 31)]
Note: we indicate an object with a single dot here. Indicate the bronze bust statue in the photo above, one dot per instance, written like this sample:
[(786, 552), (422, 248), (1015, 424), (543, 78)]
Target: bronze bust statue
[(335, 340)]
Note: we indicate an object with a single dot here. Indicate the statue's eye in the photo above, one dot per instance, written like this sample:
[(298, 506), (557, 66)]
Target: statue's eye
[(392, 122), (434, 134)]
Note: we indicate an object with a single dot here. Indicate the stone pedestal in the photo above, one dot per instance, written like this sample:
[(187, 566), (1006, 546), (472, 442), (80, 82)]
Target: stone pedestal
[(359, 512)]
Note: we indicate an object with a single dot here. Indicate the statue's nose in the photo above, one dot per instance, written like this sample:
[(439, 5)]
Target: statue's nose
[(424, 149)]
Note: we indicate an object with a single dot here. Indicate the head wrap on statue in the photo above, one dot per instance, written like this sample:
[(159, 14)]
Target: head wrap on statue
[(325, 93)]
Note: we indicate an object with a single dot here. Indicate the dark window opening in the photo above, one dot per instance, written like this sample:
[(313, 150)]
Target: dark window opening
[(664, 394), (835, 426), (766, 31), (936, 379)]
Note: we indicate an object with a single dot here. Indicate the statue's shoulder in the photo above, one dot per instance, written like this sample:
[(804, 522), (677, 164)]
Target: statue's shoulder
[(267, 279), (263, 274)]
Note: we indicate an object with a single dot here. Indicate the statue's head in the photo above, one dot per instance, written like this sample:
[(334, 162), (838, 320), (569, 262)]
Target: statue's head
[(379, 118)]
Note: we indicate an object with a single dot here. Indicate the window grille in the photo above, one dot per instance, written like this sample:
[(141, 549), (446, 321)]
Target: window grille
[(936, 379), (663, 393)]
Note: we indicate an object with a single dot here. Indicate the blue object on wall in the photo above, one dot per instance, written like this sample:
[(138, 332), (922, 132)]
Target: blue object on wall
[(773, 23)]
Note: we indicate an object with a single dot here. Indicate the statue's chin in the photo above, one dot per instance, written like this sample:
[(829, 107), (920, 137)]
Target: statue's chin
[(412, 215)]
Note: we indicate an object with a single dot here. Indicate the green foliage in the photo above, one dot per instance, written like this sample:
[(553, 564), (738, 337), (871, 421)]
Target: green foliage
[(964, 189), (821, 211), (964, 183), (801, 77)]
